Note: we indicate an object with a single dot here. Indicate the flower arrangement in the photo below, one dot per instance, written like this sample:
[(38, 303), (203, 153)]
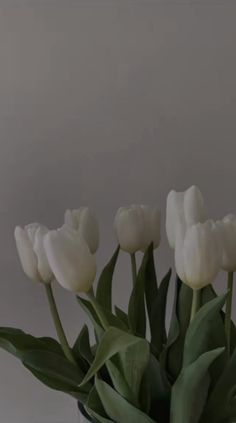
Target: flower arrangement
[(125, 373)]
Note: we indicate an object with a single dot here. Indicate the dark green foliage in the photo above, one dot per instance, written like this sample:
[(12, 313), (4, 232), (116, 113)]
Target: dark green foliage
[(180, 375)]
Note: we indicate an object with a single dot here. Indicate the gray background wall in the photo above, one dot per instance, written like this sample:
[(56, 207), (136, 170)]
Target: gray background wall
[(104, 103)]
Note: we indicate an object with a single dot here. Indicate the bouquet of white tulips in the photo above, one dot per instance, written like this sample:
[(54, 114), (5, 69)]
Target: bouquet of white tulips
[(123, 372)]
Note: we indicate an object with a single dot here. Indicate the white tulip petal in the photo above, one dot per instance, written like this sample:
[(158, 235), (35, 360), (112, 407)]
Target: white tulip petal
[(174, 215), (38, 247), (152, 222), (201, 254), (86, 224), (88, 228), (70, 260), (130, 228), (194, 209), (26, 254), (227, 232)]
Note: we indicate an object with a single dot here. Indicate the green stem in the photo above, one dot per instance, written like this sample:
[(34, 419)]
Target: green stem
[(134, 268), (58, 325), (228, 311), (195, 302)]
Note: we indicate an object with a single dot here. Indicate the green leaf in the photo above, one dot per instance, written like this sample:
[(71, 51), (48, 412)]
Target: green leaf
[(201, 336), (53, 365), (151, 288), (118, 379), (117, 408), (101, 317), (81, 347), (122, 316), (104, 287), (134, 361), (157, 315), (219, 406), (95, 408), (58, 385), (189, 392), (15, 341), (137, 312), (172, 356), (113, 341), (157, 390)]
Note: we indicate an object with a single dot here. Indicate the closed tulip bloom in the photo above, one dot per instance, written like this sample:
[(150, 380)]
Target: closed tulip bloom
[(184, 209), (174, 215), (86, 224), (152, 226), (198, 254), (70, 259), (227, 232), (29, 243), (129, 226)]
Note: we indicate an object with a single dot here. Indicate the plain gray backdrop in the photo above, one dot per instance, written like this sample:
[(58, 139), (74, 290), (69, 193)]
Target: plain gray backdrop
[(105, 103)]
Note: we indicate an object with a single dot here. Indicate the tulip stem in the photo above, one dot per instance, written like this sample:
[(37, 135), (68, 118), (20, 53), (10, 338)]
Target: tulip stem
[(134, 268), (58, 325), (228, 311), (196, 300)]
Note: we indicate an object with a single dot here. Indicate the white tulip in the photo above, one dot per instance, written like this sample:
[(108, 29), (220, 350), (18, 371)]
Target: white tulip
[(86, 224), (184, 209), (198, 254), (136, 227), (174, 215), (129, 226), (70, 259), (29, 243), (152, 226), (227, 232)]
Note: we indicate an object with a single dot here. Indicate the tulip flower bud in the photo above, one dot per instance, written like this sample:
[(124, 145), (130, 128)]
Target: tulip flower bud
[(29, 243), (174, 215), (198, 254), (227, 233), (129, 226), (85, 223), (183, 209), (152, 223), (70, 259), (137, 227)]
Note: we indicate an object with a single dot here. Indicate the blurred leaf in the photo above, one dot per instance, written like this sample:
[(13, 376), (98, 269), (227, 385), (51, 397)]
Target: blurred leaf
[(88, 308), (104, 287), (101, 317), (15, 341), (189, 392), (156, 389), (151, 288), (122, 316), (95, 408), (117, 408), (81, 347), (58, 385), (157, 315), (202, 335), (137, 311), (118, 379), (172, 356), (219, 406), (113, 341), (53, 365), (134, 360)]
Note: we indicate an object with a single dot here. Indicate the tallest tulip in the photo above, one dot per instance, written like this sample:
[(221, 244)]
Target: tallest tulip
[(183, 210)]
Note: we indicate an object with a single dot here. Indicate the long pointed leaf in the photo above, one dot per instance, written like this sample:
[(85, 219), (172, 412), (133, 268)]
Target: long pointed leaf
[(117, 408), (104, 287)]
